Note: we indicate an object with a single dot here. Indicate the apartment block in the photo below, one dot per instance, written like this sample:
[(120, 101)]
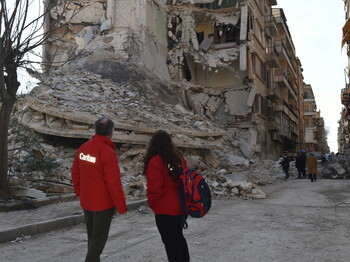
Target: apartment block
[(315, 135), (344, 129)]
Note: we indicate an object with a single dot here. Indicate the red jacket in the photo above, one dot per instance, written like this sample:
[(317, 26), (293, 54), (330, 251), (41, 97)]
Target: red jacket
[(96, 176), (162, 190)]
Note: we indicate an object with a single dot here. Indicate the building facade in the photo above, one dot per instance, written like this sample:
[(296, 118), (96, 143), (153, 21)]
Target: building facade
[(343, 129)]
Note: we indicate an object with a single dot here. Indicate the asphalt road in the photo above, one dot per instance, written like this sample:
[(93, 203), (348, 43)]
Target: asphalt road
[(299, 221)]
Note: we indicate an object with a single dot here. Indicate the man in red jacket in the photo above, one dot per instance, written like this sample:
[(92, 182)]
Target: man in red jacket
[(97, 183)]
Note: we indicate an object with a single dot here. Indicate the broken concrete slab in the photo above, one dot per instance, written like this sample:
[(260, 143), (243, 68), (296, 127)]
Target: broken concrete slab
[(84, 36), (245, 148)]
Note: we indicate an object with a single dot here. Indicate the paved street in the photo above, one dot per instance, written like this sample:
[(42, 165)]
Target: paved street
[(298, 222)]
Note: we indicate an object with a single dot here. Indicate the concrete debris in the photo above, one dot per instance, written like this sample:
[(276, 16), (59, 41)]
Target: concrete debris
[(337, 167), (227, 179), (28, 192), (84, 36)]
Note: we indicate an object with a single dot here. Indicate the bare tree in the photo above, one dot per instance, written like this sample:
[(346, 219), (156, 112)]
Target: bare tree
[(20, 35)]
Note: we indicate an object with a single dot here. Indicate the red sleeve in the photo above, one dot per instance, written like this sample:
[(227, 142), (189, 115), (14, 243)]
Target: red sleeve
[(76, 176), (113, 181), (154, 181)]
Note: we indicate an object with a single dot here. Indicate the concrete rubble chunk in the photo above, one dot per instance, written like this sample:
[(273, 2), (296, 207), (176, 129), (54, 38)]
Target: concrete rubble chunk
[(236, 160), (84, 36), (337, 168), (245, 148), (206, 44)]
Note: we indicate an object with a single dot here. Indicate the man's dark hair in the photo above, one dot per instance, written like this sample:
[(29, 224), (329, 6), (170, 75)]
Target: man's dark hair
[(104, 126)]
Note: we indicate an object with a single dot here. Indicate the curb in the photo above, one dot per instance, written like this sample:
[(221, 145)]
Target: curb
[(52, 224), (35, 203)]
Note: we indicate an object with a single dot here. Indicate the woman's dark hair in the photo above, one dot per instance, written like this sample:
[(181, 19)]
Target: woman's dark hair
[(162, 144)]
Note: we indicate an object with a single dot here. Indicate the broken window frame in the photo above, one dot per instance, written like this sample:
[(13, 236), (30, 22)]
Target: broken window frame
[(231, 34)]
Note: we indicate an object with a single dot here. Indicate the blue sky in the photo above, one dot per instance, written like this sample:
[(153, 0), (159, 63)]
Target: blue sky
[(316, 29)]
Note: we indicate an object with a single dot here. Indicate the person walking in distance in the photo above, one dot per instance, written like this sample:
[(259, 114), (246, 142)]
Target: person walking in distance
[(311, 163), (300, 164), (163, 165), (97, 183), (285, 166)]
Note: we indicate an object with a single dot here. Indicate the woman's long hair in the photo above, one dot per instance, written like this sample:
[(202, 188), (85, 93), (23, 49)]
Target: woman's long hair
[(162, 144)]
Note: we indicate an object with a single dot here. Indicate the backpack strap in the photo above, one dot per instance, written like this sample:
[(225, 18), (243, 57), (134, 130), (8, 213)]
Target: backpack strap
[(184, 224)]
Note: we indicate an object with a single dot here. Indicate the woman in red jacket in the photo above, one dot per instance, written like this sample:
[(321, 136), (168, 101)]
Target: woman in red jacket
[(162, 169)]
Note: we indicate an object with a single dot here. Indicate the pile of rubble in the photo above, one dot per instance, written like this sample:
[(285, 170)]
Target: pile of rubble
[(337, 167), (227, 179), (57, 116)]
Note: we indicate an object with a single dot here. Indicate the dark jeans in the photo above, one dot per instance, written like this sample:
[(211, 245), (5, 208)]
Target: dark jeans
[(312, 177), (301, 171), (286, 171), (97, 224), (170, 229)]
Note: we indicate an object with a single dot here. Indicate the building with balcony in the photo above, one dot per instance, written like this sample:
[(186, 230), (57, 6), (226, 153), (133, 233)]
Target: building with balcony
[(315, 134), (285, 120), (343, 129)]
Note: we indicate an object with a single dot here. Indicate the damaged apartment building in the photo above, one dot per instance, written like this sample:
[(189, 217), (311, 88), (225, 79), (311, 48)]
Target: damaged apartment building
[(344, 127), (232, 62)]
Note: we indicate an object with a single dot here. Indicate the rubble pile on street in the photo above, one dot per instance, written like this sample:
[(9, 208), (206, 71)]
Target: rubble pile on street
[(226, 179), (337, 167), (60, 112)]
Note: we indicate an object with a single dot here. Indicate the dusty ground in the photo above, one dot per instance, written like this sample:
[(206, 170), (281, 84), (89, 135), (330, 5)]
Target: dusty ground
[(298, 222)]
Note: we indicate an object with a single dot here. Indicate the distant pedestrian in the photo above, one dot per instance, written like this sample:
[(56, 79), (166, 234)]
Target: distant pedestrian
[(323, 159), (311, 163), (285, 166), (162, 167), (96, 180), (300, 164)]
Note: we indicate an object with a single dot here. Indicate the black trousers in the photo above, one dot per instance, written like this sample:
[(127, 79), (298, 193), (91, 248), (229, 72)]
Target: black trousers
[(170, 229), (312, 177), (97, 224), (301, 171)]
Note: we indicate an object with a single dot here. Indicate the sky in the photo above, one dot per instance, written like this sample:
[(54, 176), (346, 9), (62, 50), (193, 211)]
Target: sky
[(316, 29)]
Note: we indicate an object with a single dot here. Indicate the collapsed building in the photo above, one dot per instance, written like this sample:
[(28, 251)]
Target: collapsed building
[(221, 76), (234, 60)]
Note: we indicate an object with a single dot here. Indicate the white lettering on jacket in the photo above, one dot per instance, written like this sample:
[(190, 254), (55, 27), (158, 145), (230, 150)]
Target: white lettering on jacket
[(87, 158)]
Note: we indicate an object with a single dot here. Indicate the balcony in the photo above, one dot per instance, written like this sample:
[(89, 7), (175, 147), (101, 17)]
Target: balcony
[(285, 132), (310, 113), (285, 56), (272, 59), (271, 26), (273, 91), (345, 94), (281, 79), (271, 2), (281, 49), (309, 100), (294, 130), (274, 124), (288, 111)]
